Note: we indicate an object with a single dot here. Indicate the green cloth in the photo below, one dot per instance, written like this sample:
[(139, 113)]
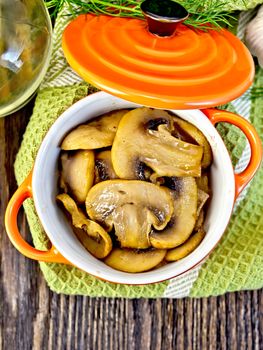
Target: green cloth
[(237, 262), (234, 265)]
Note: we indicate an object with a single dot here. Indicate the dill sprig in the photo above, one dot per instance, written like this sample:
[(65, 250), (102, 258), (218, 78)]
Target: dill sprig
[(119, 8), (203, 14)]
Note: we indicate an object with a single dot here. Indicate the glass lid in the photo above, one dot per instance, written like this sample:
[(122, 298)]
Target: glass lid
[(158, 62)]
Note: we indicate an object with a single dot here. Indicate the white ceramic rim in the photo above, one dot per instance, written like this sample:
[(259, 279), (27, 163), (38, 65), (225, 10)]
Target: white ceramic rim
[(54, 222)]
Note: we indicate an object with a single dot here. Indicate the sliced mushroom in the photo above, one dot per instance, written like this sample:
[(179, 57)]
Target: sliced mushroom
[(188, 132), (184, 193), (96, 134), (161, 264), (203, 183), (186, 248), (130, 260), (144, 138), (200, 220), (103, 167), (132, 207), (94, 238), (77, 173), (202, 198)]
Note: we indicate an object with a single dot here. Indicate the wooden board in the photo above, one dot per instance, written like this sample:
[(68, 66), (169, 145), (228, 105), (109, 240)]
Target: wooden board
[(32, 317)]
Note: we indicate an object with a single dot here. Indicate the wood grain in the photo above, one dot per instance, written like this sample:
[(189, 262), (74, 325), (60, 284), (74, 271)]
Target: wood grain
[(32, 317)]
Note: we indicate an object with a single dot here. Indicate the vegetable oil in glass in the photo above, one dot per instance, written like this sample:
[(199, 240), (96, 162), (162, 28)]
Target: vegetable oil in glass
[(25, 46)]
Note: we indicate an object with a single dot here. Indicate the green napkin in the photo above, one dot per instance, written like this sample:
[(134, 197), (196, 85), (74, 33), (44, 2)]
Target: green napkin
[(237, 262)]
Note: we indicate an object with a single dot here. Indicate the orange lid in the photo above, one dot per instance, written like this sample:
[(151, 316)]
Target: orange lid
[(190, 69)]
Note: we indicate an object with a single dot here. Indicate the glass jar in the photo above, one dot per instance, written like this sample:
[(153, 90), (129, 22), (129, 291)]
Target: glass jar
[(25, 47)]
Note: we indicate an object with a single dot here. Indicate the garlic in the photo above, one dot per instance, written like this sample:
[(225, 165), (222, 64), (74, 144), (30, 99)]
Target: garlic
[(254, 36)]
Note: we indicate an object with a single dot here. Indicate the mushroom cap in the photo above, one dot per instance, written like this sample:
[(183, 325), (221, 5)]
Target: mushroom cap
[(94, 238), (144, 137), (181, 225), (77, 173), (98, 133), (132, 207)]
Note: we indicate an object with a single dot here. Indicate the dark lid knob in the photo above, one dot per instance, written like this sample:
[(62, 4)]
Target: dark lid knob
[(163, 16)]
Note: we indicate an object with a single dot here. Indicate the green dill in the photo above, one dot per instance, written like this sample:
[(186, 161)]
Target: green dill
[(203, 14)]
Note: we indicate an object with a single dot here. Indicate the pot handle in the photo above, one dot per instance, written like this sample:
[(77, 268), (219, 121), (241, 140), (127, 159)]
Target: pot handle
[(23, 192), (243, 178)]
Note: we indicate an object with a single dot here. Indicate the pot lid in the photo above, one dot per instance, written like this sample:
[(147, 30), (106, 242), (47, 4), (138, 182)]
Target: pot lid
[(160, 62)]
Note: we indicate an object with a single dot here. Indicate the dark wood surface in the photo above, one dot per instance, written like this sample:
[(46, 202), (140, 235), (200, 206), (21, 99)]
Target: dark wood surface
[(32, 317)]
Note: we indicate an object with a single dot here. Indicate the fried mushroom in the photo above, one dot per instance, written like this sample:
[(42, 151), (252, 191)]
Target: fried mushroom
[(96, 134), (132, 207), (203, 183), (130, 260), (184, 193), (77, 173), (186, 248), (94, 238), (144, 137), (189, 133), (202, 198), (103, 167)]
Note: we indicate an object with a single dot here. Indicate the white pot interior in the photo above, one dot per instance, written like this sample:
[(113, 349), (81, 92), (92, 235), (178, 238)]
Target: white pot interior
[(45, 176)]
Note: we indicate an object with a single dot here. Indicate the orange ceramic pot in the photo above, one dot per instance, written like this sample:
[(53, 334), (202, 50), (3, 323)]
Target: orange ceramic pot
[(41, 184)]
